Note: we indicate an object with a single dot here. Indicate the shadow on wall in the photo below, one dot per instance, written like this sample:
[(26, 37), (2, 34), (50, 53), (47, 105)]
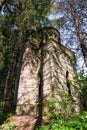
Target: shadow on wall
[(45, 72)]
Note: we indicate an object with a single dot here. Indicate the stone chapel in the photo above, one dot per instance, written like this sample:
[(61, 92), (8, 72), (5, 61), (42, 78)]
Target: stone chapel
[(46, 74)]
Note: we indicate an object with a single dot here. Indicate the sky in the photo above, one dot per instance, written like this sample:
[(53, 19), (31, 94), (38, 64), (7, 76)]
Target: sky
[(68, 38)]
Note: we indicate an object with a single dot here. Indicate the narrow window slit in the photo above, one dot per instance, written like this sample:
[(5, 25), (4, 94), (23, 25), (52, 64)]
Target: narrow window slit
[(68, 83)]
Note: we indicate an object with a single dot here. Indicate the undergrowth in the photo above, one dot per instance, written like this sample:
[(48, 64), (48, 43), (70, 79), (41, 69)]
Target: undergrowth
[(10, 126), (4, 118), (68, 120), (77, 123)]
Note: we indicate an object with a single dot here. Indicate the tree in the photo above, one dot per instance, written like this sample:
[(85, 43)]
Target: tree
[(79, 31), (73, 14), (21, 18)]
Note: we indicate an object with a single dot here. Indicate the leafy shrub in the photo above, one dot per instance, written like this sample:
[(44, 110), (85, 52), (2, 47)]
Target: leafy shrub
[(77, 123), (81, 79), (4, 117), (10, 126), (65, 110)]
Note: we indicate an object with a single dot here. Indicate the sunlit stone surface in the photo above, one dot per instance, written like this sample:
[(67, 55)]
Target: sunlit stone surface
[(45, 57)]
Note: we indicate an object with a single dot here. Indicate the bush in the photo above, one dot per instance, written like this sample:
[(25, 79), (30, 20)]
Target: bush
[(10, 126), (4, 117), (81, 79), (77, 123)]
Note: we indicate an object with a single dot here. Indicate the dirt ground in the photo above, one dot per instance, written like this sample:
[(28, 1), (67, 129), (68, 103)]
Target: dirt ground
[(24, 122)]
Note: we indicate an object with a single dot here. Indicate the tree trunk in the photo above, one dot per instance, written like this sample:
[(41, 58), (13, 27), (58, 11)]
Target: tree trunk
[(9, 84), (10, 79), (79, 31)]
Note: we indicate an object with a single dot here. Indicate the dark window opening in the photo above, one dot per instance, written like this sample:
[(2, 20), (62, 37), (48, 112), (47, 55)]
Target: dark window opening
[(68, 83)]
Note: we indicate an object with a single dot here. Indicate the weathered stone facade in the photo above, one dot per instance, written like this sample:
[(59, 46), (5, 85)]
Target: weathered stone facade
[(47, 72)]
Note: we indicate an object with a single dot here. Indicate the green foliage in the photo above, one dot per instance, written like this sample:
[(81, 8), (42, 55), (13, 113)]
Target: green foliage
[(77, 123), (81, 79), (41, 9), (67, 119), (5, 117), (17, 20), (10, 126), (20, 17), (52, 113), (63, 108)]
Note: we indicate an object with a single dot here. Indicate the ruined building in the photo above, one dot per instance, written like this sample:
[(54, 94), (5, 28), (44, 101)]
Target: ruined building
[(46, 74)]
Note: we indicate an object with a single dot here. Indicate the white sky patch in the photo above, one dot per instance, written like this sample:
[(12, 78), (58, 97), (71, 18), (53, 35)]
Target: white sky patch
[(55, 17)]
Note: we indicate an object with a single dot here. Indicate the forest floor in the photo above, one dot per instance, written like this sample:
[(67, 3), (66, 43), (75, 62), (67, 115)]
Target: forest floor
[(23, 122)]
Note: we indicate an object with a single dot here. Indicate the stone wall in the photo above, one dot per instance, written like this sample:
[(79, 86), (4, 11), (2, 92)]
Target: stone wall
[(47, 72)]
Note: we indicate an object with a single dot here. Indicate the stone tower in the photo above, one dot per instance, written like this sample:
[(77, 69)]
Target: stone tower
[(46, 74)]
